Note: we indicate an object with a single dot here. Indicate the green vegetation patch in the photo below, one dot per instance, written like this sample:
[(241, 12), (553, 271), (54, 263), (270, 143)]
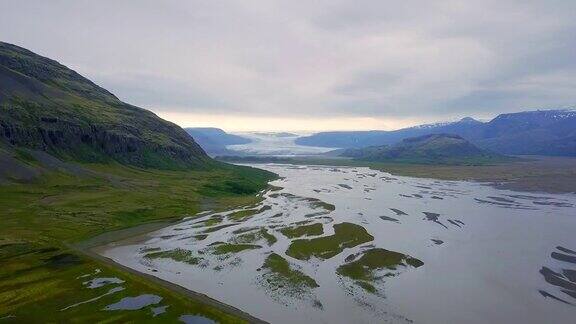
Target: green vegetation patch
[(180, 255), (254, 236), (226, 248), (245, 230), (245, 182), (43, 284), (15, 249), (281, 275), (346, 235), (367, 286), (216, 228), (214, 220), (319, 204), (242, 215), (270, 239), (372, 260), (303, 230), (150, 249)]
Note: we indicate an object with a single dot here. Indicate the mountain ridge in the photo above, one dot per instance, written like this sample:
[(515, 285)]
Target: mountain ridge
[(540, 132), (46, 106), (427, 149), (214, 140)]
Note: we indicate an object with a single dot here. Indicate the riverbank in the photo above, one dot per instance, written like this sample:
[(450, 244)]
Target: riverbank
[(132, 235)]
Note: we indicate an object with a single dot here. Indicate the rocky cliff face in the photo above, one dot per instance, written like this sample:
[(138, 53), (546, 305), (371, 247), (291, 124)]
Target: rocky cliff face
[(46, 106)]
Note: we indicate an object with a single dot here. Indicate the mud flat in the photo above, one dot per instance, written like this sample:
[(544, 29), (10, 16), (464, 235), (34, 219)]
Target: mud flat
[(348, 255)]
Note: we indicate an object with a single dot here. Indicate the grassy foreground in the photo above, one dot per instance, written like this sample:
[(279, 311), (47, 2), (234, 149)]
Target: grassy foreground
[(42, 220)]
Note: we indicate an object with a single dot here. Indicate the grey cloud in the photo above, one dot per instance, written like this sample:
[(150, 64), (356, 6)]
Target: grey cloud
[(368, 82), (160, 92), (366, 58)]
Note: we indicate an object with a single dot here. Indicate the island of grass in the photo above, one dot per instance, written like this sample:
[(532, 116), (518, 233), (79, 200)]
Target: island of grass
[(303, 230), (216, 228), (368, 268), (214, 220), (319, 204), (180, 255), (242, 215), (281, 276), (225, 248), (346, 235), (245, 229), (254, 236)]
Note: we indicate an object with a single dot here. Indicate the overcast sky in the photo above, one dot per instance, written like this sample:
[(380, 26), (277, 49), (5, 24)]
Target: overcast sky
[(311, 65)]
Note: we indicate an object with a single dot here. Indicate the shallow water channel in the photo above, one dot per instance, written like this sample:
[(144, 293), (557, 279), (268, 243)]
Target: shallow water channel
[(354, 245)]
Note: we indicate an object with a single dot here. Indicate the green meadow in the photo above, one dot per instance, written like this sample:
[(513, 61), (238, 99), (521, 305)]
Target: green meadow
[(44, 221)]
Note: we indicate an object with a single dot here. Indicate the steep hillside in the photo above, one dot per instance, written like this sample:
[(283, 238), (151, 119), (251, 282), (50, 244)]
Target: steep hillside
[(428, 149), (215, 140), (47, 106), (541, 132)]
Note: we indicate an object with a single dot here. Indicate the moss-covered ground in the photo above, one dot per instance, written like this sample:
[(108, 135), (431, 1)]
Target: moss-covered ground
[(213, 220), (180, 255), (281, 275), (226, 248), (364, 270), (346, 235), (244, 214), (303, 230), (256, 235), (317, 203)]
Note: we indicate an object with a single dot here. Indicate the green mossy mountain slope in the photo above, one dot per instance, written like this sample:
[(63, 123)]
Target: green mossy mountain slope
[(47, 106)]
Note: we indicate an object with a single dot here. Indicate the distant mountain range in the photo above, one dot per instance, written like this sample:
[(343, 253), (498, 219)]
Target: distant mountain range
[(45, 106), (214, 140), (541, 132), (277, 134), (427, 149)]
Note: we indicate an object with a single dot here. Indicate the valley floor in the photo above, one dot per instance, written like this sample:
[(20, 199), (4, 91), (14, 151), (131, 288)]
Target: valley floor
[(353, 245), (529, 173), (46, 274)]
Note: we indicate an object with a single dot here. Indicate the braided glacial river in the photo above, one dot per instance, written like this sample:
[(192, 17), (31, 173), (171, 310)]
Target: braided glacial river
[(354, 245)]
